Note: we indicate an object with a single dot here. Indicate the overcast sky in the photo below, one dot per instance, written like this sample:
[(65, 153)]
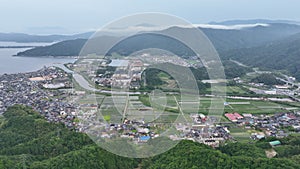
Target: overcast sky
[(74, 16)]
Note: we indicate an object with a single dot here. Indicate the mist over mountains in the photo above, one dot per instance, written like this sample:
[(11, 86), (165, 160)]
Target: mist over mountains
[(254, 21), (270, 44)]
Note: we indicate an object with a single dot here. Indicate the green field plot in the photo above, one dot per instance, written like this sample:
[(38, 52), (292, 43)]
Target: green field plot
[(240, 134), (205, 104), (110, 111), (171, 101), (92, 99), (110, 114), (230, 90), (2, 120), (208, 104), (167, 117), (256, 106)]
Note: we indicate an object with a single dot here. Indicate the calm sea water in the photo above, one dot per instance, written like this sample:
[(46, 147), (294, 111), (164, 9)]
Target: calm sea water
[(11, 64)]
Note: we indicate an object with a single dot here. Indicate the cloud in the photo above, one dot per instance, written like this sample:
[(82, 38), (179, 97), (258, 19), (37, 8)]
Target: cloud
[(140, 28), (230, 27)]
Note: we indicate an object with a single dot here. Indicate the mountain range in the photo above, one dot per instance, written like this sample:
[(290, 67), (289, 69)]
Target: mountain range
[(26, 38), (222, 39), (272, 46)]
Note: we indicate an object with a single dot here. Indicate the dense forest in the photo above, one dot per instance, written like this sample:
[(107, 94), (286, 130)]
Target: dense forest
[(267, 79), (28, 141), (279, 55)]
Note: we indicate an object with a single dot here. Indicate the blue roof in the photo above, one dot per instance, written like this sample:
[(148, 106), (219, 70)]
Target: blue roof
[(145, 138)]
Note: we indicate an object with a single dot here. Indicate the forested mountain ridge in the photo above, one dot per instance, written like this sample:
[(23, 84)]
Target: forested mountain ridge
[(280, 49), (222, 39), (279, 55), (64, 48)]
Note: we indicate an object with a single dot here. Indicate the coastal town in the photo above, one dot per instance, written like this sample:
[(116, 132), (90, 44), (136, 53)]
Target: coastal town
[(50, 91), (41, 91), (170, 84)]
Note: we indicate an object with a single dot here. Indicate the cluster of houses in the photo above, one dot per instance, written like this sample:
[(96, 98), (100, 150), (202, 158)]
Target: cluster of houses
[(278, 125), (286, 89), (126, 75), (157, 59), (135, 130), (121, 73), (27, 89), (209, 135), (111, 73), (278, 90), (203, 130), (138, 131)]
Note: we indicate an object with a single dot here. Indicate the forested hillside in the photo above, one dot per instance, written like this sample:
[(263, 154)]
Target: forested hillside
[(64, 48), (29, 141), (280, 55)]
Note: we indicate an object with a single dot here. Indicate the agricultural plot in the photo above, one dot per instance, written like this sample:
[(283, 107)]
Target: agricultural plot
[(110, 111), (244, 106), (230, 90), (256, 107), (240, 134), (142, 107), (92, 99)]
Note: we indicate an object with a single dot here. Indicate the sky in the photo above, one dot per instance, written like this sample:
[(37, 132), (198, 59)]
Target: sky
[(76, 16)]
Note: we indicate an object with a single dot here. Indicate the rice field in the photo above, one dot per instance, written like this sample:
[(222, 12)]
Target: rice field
[(256, 107), (165, 108)]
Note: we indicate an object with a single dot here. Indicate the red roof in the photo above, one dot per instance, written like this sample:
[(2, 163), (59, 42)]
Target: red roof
[(233, 116), (291, 116), (238, 116), (230, 116)]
